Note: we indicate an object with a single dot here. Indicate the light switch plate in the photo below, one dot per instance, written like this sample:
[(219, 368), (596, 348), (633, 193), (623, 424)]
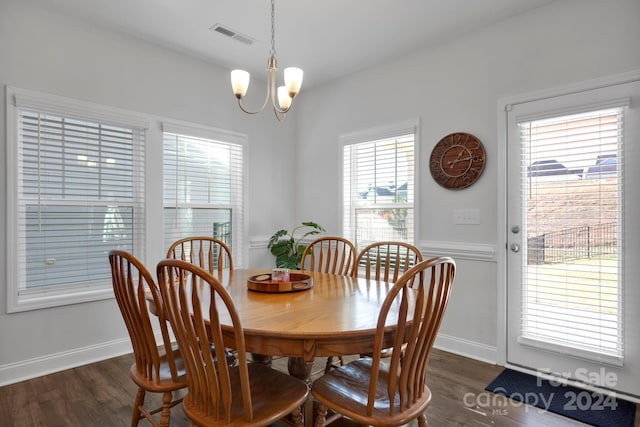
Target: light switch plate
[(466, 216)]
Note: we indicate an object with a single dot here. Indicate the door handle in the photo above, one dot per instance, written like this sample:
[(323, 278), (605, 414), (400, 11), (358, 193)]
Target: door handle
[(515, 247)]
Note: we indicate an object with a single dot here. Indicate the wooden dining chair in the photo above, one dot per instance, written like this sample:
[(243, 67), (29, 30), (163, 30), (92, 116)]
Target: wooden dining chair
[(386, 261), (329, 254), (247, 394), (154, 370), (372, 392), (210, 253)]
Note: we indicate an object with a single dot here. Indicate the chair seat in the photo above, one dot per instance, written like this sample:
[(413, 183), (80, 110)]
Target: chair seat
[(385, 353), (273, 394), (346, 388), (163, 382)]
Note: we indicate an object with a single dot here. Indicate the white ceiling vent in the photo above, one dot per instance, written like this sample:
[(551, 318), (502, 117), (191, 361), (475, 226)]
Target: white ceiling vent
[(228, 32)]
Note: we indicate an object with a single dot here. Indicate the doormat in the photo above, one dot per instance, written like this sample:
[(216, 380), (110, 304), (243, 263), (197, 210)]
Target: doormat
[(582, 405)]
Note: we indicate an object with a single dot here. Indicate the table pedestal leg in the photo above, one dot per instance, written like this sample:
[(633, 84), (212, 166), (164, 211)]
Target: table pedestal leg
[(300, 368), (261, 359)]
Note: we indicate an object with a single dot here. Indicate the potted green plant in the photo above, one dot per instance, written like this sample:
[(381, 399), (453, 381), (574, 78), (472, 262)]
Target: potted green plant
[(286, 246)]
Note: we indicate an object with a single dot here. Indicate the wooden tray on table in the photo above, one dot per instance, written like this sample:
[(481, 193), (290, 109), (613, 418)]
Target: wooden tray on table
[(264, 283)]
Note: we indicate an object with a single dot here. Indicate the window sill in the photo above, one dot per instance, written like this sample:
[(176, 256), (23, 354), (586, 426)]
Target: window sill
[(34, 299)]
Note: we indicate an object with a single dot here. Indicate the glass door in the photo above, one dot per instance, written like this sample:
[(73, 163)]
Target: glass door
[(572, 256)]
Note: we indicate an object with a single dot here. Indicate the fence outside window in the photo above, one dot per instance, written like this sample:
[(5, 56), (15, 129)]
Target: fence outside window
[(589, 241)]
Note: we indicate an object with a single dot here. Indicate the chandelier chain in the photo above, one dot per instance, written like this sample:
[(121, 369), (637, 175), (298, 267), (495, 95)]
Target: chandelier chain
[(273, 27)]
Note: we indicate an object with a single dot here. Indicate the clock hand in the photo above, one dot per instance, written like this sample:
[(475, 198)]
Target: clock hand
[(453, 163)]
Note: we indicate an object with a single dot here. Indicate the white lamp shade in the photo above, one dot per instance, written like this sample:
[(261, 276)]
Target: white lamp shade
[(293, 80), (240, 82), (284, 100)]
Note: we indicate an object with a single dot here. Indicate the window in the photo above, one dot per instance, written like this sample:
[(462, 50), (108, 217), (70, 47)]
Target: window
[(378, 185), (75, 180), (204, 186), (573, 192)]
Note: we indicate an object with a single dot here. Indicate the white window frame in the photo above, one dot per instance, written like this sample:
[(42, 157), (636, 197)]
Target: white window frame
[(374, 134), (18, 297), (238, 203)]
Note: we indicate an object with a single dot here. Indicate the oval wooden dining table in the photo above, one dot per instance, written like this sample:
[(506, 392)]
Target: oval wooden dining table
[(336, 316)]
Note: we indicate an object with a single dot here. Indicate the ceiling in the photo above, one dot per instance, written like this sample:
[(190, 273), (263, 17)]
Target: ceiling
[(327, 39)]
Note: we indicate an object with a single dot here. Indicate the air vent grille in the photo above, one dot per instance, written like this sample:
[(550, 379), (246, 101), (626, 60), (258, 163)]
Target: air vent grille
[(228, 32)]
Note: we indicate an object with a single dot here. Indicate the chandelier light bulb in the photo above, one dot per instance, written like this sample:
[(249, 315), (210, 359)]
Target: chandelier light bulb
[(240, 82), (284, 100), (293, 80)]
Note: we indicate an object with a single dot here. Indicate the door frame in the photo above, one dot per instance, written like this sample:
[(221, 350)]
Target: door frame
[(503, 107)]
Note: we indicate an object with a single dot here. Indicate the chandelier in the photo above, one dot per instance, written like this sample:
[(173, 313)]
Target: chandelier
[(284, 94)]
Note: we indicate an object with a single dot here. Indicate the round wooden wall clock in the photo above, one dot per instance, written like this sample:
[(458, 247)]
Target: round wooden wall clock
[(457, 160)]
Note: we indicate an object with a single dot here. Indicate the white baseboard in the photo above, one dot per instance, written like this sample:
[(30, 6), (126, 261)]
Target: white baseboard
[(32, 368), (466, 348)]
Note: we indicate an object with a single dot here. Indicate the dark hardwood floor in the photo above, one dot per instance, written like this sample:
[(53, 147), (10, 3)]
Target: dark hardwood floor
[(101, 394)]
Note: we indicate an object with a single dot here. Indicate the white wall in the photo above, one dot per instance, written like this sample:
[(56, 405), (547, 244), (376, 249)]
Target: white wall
[(45, 51), (455, 87)]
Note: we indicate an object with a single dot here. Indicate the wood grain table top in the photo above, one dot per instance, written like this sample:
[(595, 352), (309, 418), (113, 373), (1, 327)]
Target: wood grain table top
[(337, 316)]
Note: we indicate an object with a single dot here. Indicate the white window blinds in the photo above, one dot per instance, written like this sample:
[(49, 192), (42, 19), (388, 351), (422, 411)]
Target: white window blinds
[(379, 190), (79, 194), (204, 190), (573, 188)]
